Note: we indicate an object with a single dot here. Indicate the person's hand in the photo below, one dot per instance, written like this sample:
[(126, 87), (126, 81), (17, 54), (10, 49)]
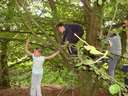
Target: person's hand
[(66, 43), (61, 47)]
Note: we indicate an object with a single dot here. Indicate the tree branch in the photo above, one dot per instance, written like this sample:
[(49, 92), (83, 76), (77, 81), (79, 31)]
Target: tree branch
[(87, 7), (21, 32), (20, 61), (23, 40)]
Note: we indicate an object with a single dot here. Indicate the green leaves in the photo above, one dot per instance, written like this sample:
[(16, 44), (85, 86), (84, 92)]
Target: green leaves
[(114, 89), (85, 62), (79, 64), (93, 50), (108, 1), (122, 1), (93, 1), (100, 2), (88, 48), (105, 66)]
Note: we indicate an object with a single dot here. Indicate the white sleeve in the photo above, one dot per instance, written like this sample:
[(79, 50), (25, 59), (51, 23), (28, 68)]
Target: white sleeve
[(33, 56), (43, 57)]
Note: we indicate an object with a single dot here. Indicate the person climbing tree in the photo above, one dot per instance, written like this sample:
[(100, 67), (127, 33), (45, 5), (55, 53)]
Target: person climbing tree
[(115, 50), (68, 31), (37, 70)]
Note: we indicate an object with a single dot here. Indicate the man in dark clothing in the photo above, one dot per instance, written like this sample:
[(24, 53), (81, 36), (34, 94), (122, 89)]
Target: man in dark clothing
[(68, 31)]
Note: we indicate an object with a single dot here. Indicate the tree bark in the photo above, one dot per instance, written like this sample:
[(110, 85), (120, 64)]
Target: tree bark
[(85, 83), (4, 69), (89, 85), (123, 36), (93, 30), (93, 21)]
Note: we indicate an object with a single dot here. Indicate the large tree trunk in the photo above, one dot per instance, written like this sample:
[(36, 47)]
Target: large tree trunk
[(93, 27), (86, 83), (124, 37), (93, 21), (4, 71), (89, 85), (123, 41)]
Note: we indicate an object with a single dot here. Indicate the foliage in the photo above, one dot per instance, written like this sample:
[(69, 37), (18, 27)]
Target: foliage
[(35, 18)]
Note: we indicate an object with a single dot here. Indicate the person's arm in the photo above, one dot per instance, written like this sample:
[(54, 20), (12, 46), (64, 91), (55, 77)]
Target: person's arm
[(110, 44), (52, 56), (26, 48), (68, 35)]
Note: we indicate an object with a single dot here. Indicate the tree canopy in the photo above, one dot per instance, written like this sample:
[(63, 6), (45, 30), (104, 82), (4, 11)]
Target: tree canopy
[(37, 19)]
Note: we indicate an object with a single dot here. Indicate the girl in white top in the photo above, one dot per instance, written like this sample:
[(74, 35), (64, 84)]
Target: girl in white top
[(37, 69)]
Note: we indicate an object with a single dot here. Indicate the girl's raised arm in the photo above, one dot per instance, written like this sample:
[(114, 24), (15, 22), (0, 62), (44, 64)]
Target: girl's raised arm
[(26, 48), (52, 55)]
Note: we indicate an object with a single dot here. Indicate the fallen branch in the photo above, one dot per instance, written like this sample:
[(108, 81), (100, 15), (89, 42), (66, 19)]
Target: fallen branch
[(104, 75)]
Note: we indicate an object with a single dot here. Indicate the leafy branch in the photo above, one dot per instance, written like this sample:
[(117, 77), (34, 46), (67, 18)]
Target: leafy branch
[(89, 62)]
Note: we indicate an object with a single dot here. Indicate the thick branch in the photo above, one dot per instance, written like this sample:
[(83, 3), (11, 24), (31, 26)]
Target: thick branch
[(21, 32), (19, 62), (87, 6), (23, 40)]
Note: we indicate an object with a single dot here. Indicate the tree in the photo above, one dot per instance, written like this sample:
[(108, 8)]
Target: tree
[(38, 20), (93, 21), (4, 69)]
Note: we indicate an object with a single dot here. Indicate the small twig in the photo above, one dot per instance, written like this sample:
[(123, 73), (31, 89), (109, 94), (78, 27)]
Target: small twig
[(116, 9)]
